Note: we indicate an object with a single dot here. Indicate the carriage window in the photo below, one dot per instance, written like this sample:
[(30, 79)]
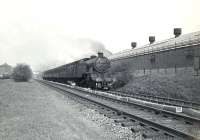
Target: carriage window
[(87, 68)]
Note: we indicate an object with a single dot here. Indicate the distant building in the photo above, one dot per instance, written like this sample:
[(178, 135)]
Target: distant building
[(5, 69)]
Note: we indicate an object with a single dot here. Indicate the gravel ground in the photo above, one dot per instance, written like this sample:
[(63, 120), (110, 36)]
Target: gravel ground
[(31, 111)]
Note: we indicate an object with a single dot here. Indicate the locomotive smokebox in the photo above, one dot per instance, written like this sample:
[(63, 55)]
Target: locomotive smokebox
[(177, 32), (151, 39), (101, 64), (100, 54), (133, 45)]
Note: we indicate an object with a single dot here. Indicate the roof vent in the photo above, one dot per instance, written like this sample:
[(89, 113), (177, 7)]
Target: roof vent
[(100, 54), (151, 39), (177, 32), (133, 45)]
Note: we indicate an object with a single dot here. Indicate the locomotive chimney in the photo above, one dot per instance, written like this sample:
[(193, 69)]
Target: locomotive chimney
[(133, 45), (177, 32), (151, 39), (100, 54)]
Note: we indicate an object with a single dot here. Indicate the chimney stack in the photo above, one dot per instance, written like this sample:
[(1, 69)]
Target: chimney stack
[(133, 45), (100, 54), (177, 32), (151, 39)]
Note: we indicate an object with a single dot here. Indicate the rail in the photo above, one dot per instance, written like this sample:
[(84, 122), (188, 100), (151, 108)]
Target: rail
[(92, 96), (159, 99)]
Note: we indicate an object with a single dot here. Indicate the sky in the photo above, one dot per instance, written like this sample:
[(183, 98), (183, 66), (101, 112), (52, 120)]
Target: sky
[(45, 33)]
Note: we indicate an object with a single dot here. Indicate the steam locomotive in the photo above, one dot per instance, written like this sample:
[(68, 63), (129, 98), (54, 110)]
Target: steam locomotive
[(88, 72)]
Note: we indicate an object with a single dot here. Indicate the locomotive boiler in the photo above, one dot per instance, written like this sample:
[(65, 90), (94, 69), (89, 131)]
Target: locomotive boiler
[(88, 72)]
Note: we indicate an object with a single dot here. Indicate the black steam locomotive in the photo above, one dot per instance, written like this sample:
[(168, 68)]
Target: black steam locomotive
[(88, 72)]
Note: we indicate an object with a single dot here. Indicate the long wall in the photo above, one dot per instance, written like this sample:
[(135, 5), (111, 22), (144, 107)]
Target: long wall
[(165, 61), (174, 73)]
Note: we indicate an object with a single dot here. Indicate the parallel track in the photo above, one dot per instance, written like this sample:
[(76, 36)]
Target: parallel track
[(136, 113), (159, 99)]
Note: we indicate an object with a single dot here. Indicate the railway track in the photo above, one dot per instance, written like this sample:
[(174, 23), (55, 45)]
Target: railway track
[(148, 122), (159, 99)]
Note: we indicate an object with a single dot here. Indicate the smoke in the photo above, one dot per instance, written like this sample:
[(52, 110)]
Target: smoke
[(91, 47), (75, 50), (44, 47)]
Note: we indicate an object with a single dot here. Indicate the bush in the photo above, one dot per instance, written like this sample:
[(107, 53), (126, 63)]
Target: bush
[(22, 72), (121, 79)]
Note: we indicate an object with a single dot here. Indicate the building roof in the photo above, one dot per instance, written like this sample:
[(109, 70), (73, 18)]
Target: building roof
[(186, 40)]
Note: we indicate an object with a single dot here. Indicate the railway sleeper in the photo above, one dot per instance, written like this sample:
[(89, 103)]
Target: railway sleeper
[(114, 117), (111, 116), (137, 128), (121, 120), (151, 134), (128, 124), (104, 111), (111, 113)]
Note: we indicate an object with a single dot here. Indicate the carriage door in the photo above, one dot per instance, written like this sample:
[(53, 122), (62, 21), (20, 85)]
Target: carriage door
[(197, 64)]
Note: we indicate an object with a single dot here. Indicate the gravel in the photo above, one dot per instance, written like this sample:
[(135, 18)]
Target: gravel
[(31, 111)]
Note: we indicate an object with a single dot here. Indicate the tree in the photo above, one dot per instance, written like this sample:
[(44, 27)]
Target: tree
[(22, 72)]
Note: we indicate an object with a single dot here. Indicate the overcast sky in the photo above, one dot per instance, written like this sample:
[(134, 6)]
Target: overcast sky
[(42, 31)]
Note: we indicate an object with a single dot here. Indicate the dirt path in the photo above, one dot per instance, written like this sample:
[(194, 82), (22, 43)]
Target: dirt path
[(30, 111)]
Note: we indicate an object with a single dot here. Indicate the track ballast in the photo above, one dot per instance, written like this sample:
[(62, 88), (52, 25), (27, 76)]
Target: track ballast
[(148, 121)]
